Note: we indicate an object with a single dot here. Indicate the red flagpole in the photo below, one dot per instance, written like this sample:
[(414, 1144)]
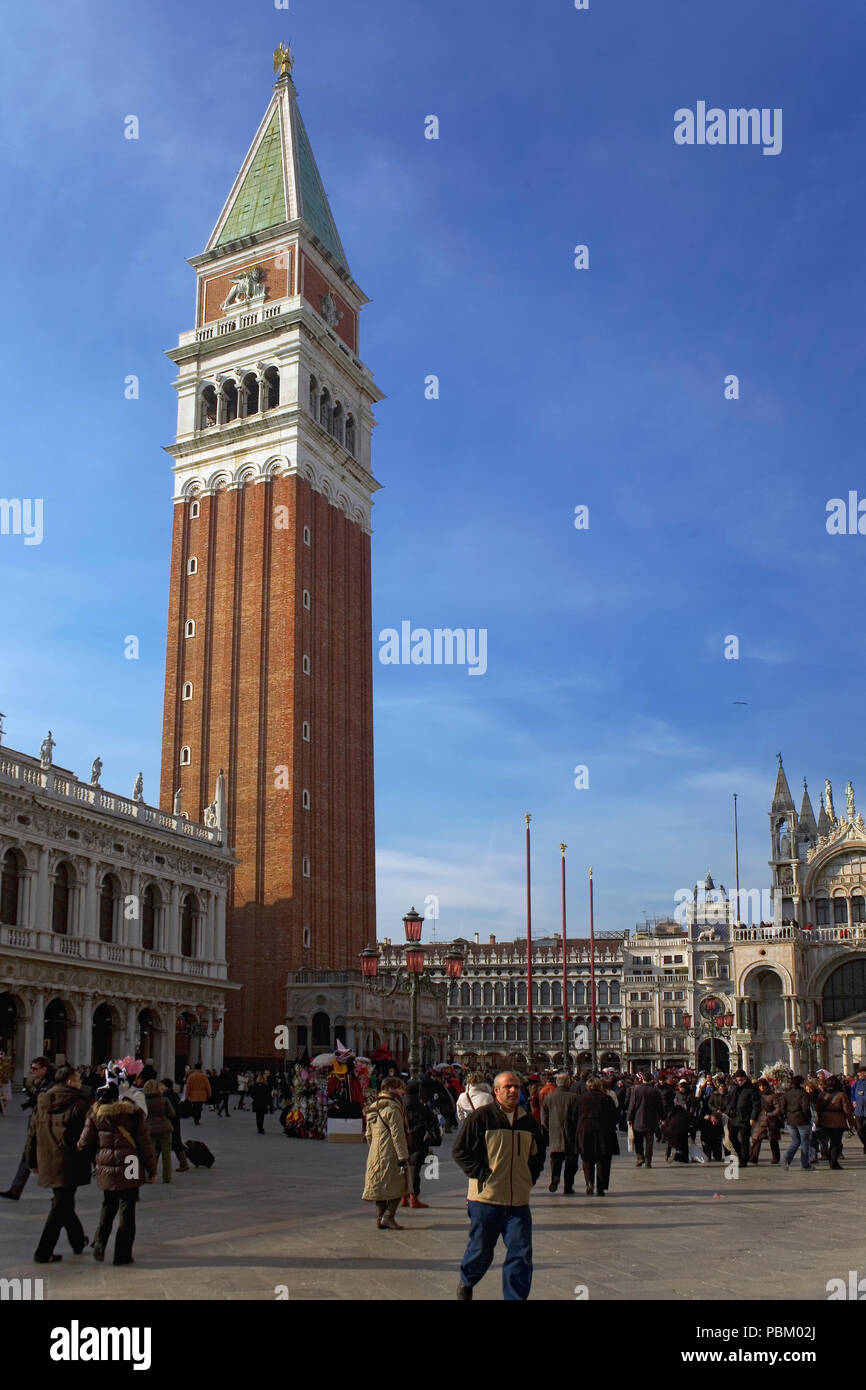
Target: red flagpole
[(592, 971), (531, 1042), (566, 1060)]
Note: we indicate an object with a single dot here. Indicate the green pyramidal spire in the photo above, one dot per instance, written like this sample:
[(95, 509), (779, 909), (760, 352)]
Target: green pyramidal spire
[(279, 180)]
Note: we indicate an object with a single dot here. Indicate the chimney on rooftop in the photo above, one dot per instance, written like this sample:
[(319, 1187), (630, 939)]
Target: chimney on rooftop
[(476, 938), (493, 941)]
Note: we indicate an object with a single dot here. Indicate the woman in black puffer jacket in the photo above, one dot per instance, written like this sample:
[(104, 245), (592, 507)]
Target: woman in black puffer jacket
[(116, 1130)]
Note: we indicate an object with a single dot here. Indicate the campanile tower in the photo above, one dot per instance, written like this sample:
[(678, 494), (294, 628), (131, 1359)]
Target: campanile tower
[(269, 658)]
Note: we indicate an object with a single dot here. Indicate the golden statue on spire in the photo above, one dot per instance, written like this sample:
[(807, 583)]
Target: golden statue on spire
[(283, 61)]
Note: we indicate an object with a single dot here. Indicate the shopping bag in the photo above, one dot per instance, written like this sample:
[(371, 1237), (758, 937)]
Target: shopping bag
[(696, 1153), (630, 1137)]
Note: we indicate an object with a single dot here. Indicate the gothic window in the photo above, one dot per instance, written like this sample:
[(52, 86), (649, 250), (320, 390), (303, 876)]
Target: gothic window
[(271, 388), (557, 1029), (602, 994), (148, 918), (579, 994), (314, 397), (634, 1017), (453, 1000), (488, 1030), (325, 410), (476, 1030), (337, 423), (476, 995), (511, 1029), (822, 912), (499, 994), (185, 757), (511, 993), (488, 995), (207, 408), (669, 1018), (858, 908), (644, 1018), (107, 895), (545, 994), (305, 800), (499, 1030), (521, 1030), (556, 995), (614, 992), (603, 1030), (189, 628), (228, 402), (521, 994), (192, 565), (187, 926), (194, 510), (187, 690), (350, 435), (465, 996), (61, 900), (466, 1030), (840, 912), (250, 394), (614, 1029)]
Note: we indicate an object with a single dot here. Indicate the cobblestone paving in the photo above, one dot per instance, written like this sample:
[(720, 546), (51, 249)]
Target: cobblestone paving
[(275, 1212)]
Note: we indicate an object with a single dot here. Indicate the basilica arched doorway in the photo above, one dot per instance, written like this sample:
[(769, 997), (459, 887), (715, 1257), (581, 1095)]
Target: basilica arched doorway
[(766, 1009), (713, 1055)]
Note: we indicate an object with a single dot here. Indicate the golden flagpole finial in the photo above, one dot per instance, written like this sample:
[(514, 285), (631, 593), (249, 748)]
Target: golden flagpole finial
[(563, 848), (528, 817), (283, 61), (590, 871)]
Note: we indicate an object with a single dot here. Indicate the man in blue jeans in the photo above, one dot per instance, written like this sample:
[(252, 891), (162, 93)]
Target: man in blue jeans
[(501, 1149), (797, 1113)]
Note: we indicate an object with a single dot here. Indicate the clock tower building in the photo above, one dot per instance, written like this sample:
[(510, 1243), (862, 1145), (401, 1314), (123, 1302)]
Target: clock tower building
[(269, 654)]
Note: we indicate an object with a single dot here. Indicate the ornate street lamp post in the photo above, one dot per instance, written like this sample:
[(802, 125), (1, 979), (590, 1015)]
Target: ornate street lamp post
[(410, 977)]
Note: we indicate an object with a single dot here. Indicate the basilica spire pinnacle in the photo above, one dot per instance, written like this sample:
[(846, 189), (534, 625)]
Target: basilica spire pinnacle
[(782, 799)]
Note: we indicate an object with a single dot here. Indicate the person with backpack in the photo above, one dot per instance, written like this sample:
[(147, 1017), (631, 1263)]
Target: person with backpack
[(116, 1132), (424, 1134), (52, 1154)]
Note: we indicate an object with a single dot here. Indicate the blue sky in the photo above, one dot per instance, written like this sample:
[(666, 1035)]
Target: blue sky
[(559, 387)]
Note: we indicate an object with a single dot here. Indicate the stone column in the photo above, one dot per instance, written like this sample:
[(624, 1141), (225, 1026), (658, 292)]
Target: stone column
[(131, 924), (42, 913), (91, 904), (130, 1029), (172, 943), (36, 1037), (209, 930), (75, 1049)]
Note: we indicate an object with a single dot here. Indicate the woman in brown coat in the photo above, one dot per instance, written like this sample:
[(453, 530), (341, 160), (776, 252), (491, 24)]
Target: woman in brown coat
[(159, 1125), (388, 1152), (117, 1131), (768, 1125), (51, 1152), (835, 1115)]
